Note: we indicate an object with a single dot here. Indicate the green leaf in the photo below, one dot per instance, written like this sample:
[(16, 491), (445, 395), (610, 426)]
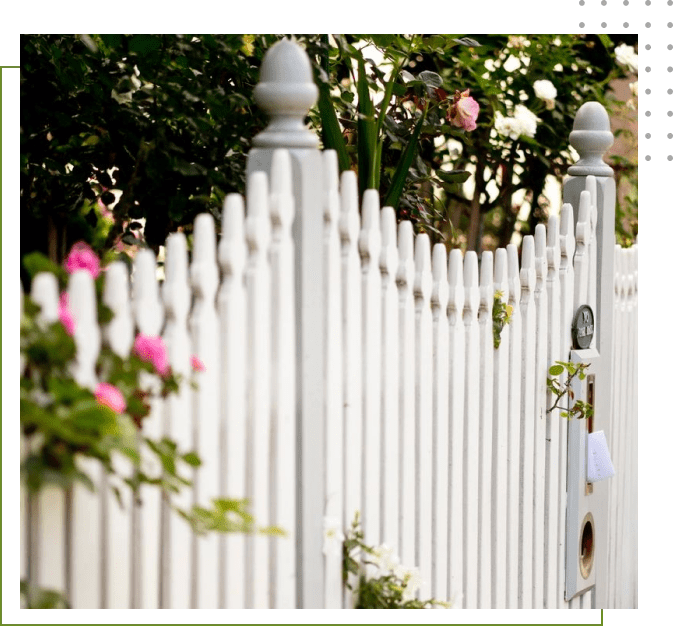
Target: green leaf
[(366, 131), (402, 171), (431, 79), (454, 176), (555, 370), (332, 135), (191, 458), (36, 262)]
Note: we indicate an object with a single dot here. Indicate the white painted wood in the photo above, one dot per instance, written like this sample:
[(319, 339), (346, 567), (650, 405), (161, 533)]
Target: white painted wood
[(592, 247), (203, 326), (514, 360), (423, 410), (566, 288), (369, 244), (258, 230), (528, 379), (485, 320), (500, 442), (552, 455), (349, 228), (87, 581), (540, 415), (456, 393), (581, 258), (405, 285), (440, 422), (116, 539), (390, 415), (147, 532), (333, 375), (176, 552), (471, 440), (46, 553), (283, 385), (233, 320)]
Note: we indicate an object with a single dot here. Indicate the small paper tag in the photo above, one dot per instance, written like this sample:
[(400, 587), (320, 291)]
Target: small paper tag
[(599, 464)]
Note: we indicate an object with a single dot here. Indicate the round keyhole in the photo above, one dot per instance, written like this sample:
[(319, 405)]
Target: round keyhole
[(587, 546)]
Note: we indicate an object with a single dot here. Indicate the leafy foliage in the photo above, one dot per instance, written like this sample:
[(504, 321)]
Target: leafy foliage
[(561, 389), (381, 582), (502, 315)]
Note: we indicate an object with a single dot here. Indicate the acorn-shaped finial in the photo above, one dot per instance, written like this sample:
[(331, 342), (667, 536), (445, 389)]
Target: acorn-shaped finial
[(591, 137), (286, 92)]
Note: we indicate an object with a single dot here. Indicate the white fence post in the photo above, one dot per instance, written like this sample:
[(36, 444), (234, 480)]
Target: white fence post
[(286, 91), (591, 136)]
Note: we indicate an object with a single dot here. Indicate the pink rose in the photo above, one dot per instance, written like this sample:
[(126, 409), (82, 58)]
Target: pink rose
[(65, 314), (197, 364), (109, 395), (464, 110), (152, 350), (82, 257)]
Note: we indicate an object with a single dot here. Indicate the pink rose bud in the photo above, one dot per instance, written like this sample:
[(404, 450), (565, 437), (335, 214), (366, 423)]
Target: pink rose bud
[(82, 257), (65, 314), (152, 350), (109, 395), (197, 364), (464, 110)]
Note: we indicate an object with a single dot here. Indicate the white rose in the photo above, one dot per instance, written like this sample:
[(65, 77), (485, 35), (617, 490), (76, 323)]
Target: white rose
[(507, 126), (527, 119), (333, 536), (545, 90), (626, 56), (512, 64)]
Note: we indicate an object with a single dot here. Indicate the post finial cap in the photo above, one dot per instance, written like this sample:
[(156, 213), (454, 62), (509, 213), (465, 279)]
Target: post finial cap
[(286, 92), (591, 137)]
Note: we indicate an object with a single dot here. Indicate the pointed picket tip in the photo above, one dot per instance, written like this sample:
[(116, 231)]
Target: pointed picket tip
[(281, 172), (553, 245), (541, 252), (500, 272), (349, 221), (87, 335), (44, 291), (369, 242), (258, 221), (527, 272), (423, 273), (148, 309), (388, 258), (232, 252), (330, 170), (119, 332), (204, 239), (440, 274), (456, 290), (471, 269), (405, 257), (585, 207), (486, 281), (513, 274), (176, 257)]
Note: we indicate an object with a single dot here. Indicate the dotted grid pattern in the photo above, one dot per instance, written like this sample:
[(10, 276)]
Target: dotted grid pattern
[(636, 25)]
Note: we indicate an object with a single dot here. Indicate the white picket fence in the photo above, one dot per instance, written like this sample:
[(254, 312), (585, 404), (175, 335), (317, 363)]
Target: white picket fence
[(351, 367)]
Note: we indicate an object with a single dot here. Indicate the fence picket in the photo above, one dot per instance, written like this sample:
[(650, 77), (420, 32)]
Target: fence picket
[(146, 511), (369, 244), (116, 539), (283, 372), (456, 393), (390, 420), (499, 480), (405, 284), (514, 361), (440, 422), (471, 440), (232, 311), (176, 553), (527, 455), (485, 321), (257, 227), (423, 409), (83, 512), (333, 373), (204, 331), (553, 450), (540, 415), (566, 288), (349, 227)]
